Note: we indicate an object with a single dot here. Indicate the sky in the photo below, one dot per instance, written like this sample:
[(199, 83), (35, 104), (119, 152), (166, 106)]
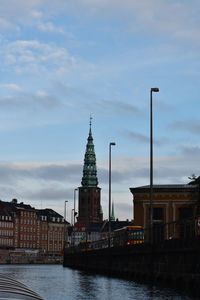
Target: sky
[(66, 60)]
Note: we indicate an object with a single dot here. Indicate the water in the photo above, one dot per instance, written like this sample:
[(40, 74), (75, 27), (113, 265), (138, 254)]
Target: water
[(53, 282)]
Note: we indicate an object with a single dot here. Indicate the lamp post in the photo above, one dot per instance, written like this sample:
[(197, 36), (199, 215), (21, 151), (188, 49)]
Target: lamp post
[(75, 204), (72, 233), (153, 90), (65, 216), (65, 210), (109, 209), (72, 215)]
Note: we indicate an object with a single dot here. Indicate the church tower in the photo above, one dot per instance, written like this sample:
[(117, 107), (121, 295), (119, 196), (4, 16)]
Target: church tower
[(89, 210)]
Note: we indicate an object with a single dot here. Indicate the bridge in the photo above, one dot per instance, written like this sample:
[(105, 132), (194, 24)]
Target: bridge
[(173, 261)]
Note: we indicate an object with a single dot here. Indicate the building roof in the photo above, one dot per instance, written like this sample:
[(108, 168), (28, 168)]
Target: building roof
[(115, 225), (166, 188), (50, 213), (6, 208)]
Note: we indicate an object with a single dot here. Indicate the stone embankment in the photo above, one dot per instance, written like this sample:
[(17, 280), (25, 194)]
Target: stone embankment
[(174, 263), (21, 256)]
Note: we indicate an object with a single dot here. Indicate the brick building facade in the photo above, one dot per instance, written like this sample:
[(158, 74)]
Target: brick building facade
[(24, 227)]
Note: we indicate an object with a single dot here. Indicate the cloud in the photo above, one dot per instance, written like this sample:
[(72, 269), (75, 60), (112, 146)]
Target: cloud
[(50, 27), (193, 151), (36, 182), (151, 16), (23, 101), (191, 126), (7, 25), (34, 57), (46, 172), (115, 106), (20, 7), (120, 106), (11, 86), (52, 193), (54, 182), (136, 136), (142, 138)]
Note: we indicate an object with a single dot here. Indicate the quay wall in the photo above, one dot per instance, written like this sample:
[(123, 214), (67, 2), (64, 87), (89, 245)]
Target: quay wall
[(174, 263)]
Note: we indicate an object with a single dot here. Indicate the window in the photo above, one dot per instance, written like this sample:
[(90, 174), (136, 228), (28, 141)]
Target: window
[(158, 214), (185, 213)]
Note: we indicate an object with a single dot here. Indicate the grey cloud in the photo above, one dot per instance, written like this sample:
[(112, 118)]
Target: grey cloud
[(191, 126), (109, 107), (119, 106), (141, 138), (117, 176), (10, 173), (136, 137), (193, 151), (51, 194), (58, 172), (24, 101)]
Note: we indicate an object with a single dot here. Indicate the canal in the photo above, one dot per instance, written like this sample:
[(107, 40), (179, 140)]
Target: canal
[(53, 282)]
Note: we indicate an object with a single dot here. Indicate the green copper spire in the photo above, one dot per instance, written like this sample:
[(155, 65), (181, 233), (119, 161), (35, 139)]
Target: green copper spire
[(89, 178)]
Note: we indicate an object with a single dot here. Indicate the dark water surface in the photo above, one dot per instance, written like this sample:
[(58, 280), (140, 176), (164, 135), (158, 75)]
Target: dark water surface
[(53, 282)]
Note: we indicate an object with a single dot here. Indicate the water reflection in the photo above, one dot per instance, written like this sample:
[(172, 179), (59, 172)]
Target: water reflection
[(53, 282), (88, 289)]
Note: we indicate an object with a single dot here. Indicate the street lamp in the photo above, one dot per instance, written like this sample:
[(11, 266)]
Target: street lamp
[(72, 216), (75, 204), (109, 210), (153, 90), (65, 210), (65, 216), (72, 233)]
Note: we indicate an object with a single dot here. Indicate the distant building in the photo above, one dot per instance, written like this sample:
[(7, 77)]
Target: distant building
[(52, 231), (24, 227), (170, 203), (7, 230)]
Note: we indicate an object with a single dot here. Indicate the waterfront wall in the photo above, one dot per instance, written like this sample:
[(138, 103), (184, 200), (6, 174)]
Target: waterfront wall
[(174, 262), (27, 257)]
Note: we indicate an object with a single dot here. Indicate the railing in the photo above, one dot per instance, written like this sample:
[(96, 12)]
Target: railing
[(183, 231)]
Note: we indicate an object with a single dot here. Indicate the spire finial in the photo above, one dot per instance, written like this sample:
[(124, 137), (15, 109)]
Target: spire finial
[(90, 121)]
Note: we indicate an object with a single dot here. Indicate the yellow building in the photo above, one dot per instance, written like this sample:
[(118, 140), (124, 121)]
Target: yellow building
[(170, 204)]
